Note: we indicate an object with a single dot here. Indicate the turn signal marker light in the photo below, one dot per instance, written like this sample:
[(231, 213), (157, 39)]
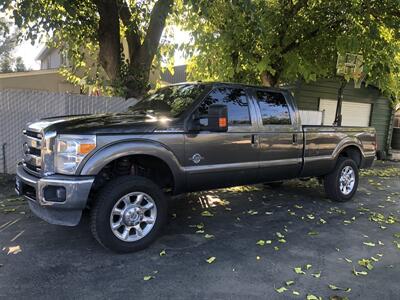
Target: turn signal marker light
[(222, 122), (86, 148)]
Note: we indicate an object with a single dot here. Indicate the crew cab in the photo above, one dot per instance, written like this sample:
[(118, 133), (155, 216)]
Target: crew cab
[(181, 138)]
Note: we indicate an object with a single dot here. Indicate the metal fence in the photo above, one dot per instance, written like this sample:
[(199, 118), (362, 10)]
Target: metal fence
[(18, 107)]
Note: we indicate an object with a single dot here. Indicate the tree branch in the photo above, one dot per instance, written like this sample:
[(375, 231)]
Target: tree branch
[(156, 26), (109, 38), (133, 32)]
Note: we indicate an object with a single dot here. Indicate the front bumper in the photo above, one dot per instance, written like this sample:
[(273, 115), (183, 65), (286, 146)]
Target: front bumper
[(67, 212)]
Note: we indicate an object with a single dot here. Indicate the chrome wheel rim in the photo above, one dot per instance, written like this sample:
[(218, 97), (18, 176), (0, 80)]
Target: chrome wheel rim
[(347, 180), (133, 216)]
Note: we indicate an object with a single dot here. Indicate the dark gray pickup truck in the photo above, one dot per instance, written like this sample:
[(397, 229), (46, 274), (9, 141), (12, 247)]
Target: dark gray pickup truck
[(182, 138)]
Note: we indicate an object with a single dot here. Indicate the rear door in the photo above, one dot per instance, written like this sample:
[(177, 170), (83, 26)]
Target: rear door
[(280, 135), (216, 159)]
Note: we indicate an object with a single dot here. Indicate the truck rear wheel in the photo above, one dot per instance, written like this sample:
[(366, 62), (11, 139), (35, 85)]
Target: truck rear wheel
[(342, 183), (129, 214)]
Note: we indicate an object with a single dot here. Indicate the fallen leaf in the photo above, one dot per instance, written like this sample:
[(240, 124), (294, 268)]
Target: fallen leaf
[(209, 236), (313, 297), (289, 283), (335, 288), (296, 293), (308, 267), (313, 233), (14, 250), (148, 277), (211, 259), (206, 213), (316, 275), (358, 273), (370, 244), (282, 241), (348, 260), (162, 253), (280, 235), (260, 243), (298, 270), (322, 221), (281, 290)]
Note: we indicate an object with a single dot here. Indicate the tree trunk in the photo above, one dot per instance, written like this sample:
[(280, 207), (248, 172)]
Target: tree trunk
[(109, 38), (268, 79)]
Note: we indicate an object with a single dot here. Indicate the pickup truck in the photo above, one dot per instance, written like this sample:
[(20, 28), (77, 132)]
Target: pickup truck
[(181, 138)]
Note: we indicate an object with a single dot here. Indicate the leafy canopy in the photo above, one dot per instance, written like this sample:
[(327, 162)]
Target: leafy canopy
[(110, 43), (277, 41)]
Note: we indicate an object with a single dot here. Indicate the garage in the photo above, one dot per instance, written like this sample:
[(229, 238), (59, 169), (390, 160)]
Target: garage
[(353, 113)]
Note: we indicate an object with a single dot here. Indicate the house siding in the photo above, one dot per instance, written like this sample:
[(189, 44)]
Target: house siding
[(307, 96)]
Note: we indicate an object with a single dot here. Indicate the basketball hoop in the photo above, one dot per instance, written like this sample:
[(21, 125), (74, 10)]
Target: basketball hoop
[(351, 66)]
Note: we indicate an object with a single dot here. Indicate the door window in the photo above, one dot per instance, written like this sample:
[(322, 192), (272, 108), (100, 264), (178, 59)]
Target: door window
[(273, 107), (236, 101)]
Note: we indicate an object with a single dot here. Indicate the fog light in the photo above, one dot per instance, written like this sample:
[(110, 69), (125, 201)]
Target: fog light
[(54, 193)]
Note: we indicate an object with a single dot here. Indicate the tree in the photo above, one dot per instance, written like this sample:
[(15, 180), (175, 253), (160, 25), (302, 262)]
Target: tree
[(19, 65), (273, 42), (7, 45), (99, 28)]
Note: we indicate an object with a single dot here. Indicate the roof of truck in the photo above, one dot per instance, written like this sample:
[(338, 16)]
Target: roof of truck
[(213, 83)]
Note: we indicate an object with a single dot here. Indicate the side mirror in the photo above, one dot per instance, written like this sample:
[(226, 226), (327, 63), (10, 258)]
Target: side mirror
[(215, 121), (217, 118)]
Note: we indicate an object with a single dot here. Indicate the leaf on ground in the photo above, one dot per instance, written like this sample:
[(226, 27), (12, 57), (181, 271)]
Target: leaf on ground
[(211, 259), (370, 244), (298, 270), (311, 216), (252, 212), (281, 289), (348, 260), (280, 235), (358, 273), (397, 235), (296, 293), (162, 253), (298, 206), (336, 288), (206, 213), (322, 221), (316, 275), (313, 233), (282, 241), (14, 250), (364, 262), (260, 243), (313, 297), (148, 277), (209, 236), (276, 248), (308, 267), (289, 283), (199, 231)]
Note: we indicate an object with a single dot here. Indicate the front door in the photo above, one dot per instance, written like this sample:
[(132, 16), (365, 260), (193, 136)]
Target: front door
[(218, 159)]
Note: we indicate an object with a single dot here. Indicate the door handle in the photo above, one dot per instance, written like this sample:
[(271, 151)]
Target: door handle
[(294, 138), (253, 140)]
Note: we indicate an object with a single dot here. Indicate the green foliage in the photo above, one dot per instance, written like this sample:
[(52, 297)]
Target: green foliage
[(282, 41), (110, 45)]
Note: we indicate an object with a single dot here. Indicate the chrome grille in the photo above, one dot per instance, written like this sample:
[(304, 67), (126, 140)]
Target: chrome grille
[(32, 151)]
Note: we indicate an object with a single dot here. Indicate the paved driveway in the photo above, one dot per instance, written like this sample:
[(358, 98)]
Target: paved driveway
[(294, 226)]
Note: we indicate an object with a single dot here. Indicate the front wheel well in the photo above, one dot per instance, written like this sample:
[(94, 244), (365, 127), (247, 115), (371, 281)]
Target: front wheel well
[(147, 166), (352, 152)]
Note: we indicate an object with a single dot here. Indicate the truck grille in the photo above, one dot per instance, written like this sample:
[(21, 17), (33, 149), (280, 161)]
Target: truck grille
[(32, 151)]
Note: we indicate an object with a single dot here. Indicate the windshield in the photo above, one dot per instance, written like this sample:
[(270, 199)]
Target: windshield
[(171, 101)]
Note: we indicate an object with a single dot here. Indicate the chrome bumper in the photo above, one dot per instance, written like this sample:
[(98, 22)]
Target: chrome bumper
[(67, 212)]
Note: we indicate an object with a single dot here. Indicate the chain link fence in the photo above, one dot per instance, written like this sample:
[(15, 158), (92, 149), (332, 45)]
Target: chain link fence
[(18, 107)]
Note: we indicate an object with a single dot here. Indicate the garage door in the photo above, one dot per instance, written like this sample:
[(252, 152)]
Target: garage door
[(353, 113)]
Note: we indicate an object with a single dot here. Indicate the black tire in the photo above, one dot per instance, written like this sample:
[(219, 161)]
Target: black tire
[(108, 197), (274, 184), (332, 180)]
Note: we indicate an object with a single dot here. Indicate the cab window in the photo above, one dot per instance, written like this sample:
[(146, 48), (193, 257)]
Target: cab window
[(236, 101), (273, 107)]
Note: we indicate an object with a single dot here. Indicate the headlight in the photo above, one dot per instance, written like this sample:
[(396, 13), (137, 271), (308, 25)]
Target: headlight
[(71, 150)]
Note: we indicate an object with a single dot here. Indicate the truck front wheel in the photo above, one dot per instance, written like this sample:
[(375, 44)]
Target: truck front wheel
[(342, 183), (129, 214)]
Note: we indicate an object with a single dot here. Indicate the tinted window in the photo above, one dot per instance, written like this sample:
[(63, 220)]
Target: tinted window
[(234, 99), (170, 101), (273, 106)]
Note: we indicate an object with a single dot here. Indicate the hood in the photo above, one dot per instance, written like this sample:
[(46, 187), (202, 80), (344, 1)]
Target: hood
[(117, 123)]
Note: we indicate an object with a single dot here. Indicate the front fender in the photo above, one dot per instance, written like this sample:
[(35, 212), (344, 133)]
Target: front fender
[(96, 162)]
